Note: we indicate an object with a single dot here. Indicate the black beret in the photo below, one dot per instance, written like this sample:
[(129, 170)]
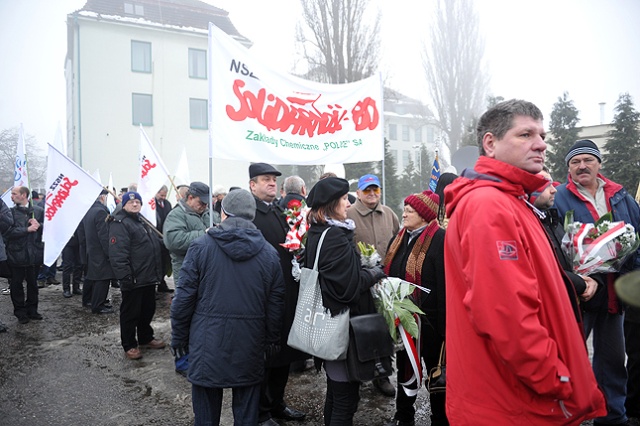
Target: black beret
[(326, 190), (257, 169)]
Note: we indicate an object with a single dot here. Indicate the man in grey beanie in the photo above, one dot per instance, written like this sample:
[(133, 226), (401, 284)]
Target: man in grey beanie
[(227, 312), (591, 195)]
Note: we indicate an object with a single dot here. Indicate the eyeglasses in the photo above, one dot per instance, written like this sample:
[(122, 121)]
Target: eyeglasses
[(371, 189)]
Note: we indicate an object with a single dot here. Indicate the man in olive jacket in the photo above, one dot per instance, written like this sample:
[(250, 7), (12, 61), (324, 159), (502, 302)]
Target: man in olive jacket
[(186, 222)]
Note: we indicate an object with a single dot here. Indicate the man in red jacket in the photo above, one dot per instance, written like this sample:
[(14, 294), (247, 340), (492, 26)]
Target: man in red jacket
[(515, 351)]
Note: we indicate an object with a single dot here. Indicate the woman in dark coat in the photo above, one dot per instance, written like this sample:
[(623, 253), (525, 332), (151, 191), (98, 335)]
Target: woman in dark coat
[(416, 255), (344, 283)]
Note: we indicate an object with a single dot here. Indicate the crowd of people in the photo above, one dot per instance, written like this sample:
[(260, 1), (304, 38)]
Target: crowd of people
[(503, 298)]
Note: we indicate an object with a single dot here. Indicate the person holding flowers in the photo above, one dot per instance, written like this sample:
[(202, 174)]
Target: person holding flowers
[(344, 282), (590, 195), (416, 255)]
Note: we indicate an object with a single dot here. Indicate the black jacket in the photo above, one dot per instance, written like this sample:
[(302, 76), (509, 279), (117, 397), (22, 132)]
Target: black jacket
[(228, 305), (24, 248), (6, 222), (96, 242), (134, 252), (432, 277), (161, 213), (270, 220), (343, 280)]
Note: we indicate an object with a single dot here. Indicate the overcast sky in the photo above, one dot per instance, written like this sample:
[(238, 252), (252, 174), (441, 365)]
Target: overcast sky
[(535, 50)]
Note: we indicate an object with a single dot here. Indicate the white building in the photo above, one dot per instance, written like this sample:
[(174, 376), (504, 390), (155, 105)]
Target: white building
[(408, 125), (142, 61)]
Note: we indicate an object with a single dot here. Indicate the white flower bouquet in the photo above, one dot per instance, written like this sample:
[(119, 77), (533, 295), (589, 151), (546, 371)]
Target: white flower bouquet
[(391, 297), (603, 246)]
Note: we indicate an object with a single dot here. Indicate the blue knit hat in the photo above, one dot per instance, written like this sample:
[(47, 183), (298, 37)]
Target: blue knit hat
[(131, 195)]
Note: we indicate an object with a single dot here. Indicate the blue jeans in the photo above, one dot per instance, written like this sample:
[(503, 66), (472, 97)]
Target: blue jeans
[(609, 361), (207, 405)]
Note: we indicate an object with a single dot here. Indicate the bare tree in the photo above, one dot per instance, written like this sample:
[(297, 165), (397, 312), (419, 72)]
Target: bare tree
[(453, 65), (339, 43), (37, 164)]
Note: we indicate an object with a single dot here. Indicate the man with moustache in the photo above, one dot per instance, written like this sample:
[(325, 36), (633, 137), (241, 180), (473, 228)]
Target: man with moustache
[(591, 195)]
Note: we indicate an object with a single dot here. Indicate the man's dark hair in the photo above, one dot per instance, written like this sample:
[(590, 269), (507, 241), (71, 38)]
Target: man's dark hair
[(499, 119)]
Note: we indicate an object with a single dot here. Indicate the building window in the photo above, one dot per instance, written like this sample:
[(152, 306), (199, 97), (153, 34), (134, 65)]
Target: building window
[(128, 8), (394, 154), (198, 114), (139, 10), (406, 158), (405, 133), (431, 137), (140, 56), (142, 109), (197, 63), (131, 9), (419, 134), (393, 132)]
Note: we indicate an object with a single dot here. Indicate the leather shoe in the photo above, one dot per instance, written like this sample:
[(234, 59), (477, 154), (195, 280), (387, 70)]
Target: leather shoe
[(67, 294), (269, 422), (401, 423), (133, 353), (52, 280), (35, 316), (77, 291), (103, 310), (154, 344), (384, 386), (288, 413), (23, 320)]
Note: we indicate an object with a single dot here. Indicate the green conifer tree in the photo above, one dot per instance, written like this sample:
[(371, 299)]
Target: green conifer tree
[(622, 161)]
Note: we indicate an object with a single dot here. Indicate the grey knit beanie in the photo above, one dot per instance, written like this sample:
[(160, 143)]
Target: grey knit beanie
[(239, 203)]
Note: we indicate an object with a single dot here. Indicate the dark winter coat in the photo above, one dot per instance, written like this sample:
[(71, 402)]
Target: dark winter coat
[(284, 201), (6, 222), (134, 251), (161, 213), (342, 277), (24, 248), (228, 305), (432, 277), (271, 221), (96, 234)]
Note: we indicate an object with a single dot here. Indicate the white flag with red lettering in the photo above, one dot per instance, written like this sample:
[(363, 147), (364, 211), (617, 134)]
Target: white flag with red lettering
[(153, 174), (70, 193), (259, 114)]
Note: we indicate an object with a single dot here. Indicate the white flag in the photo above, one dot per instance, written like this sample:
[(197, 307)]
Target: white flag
[(6, 197), (70, 193), (259, 114), (182, 171), (57, 141), (21, 176), (96, 175), (153, 174), (111, 201)]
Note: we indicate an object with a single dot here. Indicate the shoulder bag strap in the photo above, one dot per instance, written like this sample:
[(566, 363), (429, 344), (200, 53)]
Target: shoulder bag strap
[(315, 264)]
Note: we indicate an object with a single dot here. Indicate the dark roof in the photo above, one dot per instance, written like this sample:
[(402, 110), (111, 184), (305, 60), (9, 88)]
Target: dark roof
[(180, 13)]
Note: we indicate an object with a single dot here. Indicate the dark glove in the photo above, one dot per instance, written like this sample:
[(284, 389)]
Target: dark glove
[(376, 273), (179, 351), (272, 350)]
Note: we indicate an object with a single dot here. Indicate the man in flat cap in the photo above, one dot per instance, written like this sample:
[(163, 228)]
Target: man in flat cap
[(591, 195), (186, 222), (270, 219)]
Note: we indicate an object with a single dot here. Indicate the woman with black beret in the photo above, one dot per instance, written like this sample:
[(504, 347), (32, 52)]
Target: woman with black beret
[(344, 283)]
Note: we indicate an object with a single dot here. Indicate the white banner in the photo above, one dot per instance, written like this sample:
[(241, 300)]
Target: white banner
[(21, 176), (153, 174), (70, 193), (182, 171), (259, 114)]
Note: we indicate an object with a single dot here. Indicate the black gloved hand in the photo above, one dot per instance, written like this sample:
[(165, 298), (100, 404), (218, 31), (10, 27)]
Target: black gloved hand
[(376, 273), (179, 351), (272, 350)]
